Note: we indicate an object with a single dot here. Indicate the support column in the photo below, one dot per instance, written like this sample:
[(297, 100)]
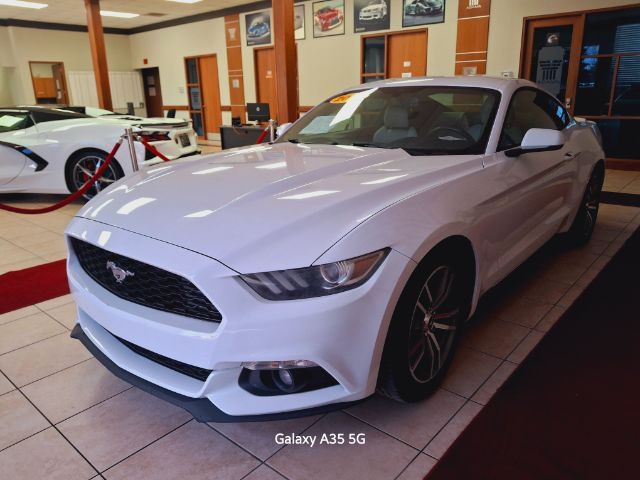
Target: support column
[(473, 37), (98, 53), (286, 61)]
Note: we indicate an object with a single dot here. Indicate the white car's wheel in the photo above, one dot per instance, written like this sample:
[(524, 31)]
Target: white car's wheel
[(585, 221), (83, 165), (425, 326)]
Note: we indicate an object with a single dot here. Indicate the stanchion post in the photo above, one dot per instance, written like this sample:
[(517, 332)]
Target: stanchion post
[(272, 130), (128, 132)]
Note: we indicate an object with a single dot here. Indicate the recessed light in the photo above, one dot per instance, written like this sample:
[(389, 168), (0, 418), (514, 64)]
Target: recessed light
[(20, 3), (108, 13), (185, 1)]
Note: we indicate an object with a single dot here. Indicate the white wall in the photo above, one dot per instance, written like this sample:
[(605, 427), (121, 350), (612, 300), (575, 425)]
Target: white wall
[(71, 48), (166, 49), (6, 95)]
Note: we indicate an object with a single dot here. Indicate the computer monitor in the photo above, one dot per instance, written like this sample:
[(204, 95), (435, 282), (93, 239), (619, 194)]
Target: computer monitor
[(258, 112)]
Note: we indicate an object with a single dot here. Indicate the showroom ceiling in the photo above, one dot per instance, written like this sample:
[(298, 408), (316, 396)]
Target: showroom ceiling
[(151, 11)]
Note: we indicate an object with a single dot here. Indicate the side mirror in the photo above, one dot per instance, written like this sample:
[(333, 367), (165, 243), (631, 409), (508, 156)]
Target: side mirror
[(282, 128), (538, 140)]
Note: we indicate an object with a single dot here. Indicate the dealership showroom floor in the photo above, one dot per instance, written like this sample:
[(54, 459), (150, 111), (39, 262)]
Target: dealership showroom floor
[(319, 239)]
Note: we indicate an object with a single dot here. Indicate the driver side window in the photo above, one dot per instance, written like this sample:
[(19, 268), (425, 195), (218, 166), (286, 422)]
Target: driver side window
[(530, 108)]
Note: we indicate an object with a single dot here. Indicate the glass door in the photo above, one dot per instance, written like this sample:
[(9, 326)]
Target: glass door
[(194, 95), (374, 58), (551, 44), (609, 79)]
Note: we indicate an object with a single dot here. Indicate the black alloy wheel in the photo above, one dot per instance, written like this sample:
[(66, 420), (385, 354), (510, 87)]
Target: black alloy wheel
[(585, 221), (84, 166), (425, 327)]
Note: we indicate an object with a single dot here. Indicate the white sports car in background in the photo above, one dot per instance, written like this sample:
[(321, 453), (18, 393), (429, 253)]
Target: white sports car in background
[(49, 150), (287, 279), (375, 10)]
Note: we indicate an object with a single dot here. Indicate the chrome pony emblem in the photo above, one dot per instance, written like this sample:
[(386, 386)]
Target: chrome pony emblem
[(120, 274)]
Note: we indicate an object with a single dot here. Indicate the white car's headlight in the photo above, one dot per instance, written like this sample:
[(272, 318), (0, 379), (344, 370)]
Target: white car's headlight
[(316, 281)]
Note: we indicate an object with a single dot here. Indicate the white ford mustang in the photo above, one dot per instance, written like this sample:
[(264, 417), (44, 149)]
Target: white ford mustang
[(292, 278), (49, 150)]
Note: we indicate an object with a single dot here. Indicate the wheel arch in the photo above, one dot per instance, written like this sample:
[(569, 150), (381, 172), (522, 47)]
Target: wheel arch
[(463, 246), (457, 246)]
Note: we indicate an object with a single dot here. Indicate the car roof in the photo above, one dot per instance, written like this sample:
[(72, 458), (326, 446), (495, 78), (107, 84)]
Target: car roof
[(502, 84), (37, 109)]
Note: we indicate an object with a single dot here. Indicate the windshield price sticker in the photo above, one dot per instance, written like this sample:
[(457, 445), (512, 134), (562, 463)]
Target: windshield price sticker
[(342, 98), (324, 439)]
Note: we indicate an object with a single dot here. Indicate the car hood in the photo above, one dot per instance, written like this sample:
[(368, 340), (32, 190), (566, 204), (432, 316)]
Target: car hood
[(267, 207)]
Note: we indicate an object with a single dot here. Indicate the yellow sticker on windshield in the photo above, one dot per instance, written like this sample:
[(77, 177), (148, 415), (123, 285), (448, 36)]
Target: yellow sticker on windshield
[(342, 98)]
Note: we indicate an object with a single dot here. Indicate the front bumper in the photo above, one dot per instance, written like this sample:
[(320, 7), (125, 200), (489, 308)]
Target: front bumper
[(201, 408), (342, 333), (371, 16)]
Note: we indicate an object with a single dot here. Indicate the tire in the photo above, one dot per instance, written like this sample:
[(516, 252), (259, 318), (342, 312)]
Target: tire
[(425, 326), (585, 220), (83, 165)]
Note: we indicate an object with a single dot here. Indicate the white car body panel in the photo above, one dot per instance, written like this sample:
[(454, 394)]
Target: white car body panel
[(283, 206), (56, 141)]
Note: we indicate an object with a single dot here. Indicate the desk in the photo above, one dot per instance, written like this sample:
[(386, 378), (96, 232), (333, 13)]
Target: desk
[(231, 137)]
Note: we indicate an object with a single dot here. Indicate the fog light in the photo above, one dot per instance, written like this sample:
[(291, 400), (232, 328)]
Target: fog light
[(286, 377), (283, 381), (275, 365)]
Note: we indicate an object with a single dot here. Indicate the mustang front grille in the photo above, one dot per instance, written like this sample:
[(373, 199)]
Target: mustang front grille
[(198, 373), (144, 284)]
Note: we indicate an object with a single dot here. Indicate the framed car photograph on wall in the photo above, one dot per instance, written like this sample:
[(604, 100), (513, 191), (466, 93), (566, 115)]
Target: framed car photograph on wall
[(422, 12), (258, 28), (328, 18), (371, 15), (298, 22)]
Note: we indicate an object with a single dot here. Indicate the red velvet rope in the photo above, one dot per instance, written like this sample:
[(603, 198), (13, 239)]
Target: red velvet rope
[(153, 150), (90, 182), (262, 135), (74, 195)]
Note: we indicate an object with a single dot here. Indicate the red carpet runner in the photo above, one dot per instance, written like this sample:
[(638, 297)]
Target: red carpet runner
[(32, 285), (572, 409)]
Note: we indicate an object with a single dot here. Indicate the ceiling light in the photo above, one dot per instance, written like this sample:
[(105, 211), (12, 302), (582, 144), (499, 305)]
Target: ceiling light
[(20, 3), (185, 1), (108, 13)]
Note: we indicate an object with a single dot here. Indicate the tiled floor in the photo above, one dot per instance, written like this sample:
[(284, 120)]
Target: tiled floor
[(63, 416), (622, 181)]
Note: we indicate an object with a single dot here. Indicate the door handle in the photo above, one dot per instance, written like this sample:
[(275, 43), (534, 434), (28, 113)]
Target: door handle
[(570, 155)]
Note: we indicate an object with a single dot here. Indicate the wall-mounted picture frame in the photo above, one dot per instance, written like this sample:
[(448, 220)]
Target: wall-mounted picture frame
[(328, 18), (371, 15), (298, 22), (422, 12), (258, 28)]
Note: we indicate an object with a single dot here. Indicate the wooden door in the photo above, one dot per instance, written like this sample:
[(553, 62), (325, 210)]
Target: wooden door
[(552, 55), (152, 92), (60, 83), (210, 85), (407, 54), (265, 72)]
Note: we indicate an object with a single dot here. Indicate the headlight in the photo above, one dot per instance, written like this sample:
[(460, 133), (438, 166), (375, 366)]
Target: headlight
[(316, 281)]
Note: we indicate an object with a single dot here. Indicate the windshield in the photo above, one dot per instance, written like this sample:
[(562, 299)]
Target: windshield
[(10, 121), (98, 112), (422, 120)]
